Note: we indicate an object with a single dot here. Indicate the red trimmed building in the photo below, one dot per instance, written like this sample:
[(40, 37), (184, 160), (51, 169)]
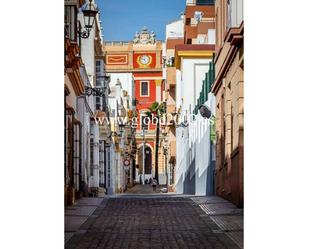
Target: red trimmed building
[(143, 58)]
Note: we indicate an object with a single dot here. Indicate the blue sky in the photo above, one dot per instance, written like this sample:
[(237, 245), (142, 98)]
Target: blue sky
[(122, 18)]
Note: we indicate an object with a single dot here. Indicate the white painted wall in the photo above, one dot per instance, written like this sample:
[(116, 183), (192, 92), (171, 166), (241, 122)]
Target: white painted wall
[(174, 29), (116, 98), (84, 117), (94, 133), (194, 148), (126, 80), (200, 139), (178, 89), (211, 36), (163, 49), (85, 108), (236, 12), (87, 50), (193, 161), (192, 76)]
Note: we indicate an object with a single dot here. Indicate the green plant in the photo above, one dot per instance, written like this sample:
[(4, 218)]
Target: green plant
[(157, 110)]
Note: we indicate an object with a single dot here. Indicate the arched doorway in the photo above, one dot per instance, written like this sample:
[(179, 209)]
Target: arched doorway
[(148, 162)]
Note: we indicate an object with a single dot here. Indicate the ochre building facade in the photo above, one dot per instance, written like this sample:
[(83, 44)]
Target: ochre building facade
[(229, 90)]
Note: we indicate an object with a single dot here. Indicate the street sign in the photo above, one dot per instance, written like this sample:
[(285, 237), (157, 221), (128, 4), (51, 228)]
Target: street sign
[(126, 164)]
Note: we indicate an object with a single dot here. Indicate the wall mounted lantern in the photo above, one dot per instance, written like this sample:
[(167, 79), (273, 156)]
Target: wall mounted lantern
[(89, 11), (205, 111), (95, 91), (121, 127), (99, 90)]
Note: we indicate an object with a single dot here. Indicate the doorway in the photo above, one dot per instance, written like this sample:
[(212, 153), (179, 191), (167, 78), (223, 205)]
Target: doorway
[(148, 161)]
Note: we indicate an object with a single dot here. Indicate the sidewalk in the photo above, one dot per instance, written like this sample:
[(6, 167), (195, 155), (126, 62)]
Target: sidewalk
[(78, 214), (226, 215)]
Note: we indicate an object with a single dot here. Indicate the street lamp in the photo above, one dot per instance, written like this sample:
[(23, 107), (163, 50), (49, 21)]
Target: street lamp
[(90, 11), (98, 90), (121, 126), (95, 91), (143, 135)]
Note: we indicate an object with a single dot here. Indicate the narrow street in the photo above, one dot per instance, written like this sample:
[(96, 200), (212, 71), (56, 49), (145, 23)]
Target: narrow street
[(135, 125), (150, 221), (153, 104)]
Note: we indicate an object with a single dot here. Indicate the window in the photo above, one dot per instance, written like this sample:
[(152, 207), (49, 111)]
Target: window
[(211, 36), (70, 20), (99, 67), (144, 88), (170, 61), (99, 72), (201, 39), (198, 15), (205, 2)]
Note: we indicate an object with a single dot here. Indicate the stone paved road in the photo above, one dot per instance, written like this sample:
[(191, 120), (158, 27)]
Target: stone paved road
[(149, 222)]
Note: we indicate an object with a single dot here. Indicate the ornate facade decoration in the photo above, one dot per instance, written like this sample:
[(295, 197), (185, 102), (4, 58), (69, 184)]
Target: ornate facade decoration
[(144, 37)]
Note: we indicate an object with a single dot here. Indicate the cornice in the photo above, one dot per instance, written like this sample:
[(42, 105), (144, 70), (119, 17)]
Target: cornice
[(191, 54), (235, 37)]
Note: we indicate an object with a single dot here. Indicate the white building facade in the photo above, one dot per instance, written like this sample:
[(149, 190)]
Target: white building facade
[(195, 158), (92, 161), (120, 102)]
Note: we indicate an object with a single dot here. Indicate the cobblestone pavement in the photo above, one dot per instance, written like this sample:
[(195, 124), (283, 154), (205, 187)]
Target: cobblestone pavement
[(145, 189), (142, 189), (226, 215), (149, 222)]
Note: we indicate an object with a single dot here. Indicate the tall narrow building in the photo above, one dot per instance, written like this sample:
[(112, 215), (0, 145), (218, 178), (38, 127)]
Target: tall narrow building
[(141, 57), (229, 90), (194, 172)]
